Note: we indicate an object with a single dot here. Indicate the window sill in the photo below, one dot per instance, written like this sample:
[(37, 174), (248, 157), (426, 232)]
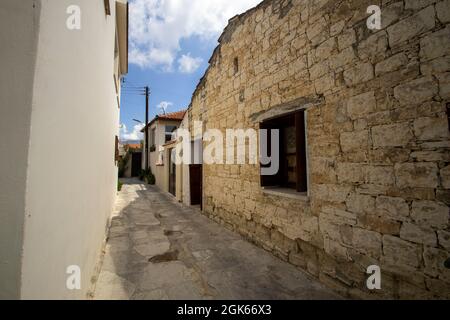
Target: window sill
[(286, 193)]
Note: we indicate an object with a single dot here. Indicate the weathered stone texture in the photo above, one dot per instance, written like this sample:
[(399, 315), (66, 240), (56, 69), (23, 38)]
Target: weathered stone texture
[(430, 213), (431, 128), (443, 11), (397, 208), (398, 252), (378, 144), (414, 233), (435, 45), (412, 26), (361, 105), (353, 141), (391, 135), (421, 175), (361, 72), (416, 91), (391, 64), (445, 177)]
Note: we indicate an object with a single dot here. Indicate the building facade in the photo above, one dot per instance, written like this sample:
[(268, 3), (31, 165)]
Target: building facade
[(132, 160), (62, 62), (364, 158), (160, 132)]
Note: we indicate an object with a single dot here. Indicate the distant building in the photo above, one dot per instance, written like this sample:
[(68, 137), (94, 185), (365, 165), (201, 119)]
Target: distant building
[(160, 132), (185, 179), (133, 156)]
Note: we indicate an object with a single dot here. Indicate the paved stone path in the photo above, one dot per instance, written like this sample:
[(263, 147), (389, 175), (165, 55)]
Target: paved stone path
[(160, 249)]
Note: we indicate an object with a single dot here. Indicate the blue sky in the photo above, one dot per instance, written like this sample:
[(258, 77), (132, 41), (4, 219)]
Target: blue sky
[(171, 42), (174, 87)]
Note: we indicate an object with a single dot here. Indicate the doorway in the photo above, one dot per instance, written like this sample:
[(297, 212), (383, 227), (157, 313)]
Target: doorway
[(172, 172), (136, 163), (196, 184)]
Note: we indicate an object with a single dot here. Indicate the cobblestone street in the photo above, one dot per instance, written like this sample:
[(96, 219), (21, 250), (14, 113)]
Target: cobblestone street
[(160, 249)]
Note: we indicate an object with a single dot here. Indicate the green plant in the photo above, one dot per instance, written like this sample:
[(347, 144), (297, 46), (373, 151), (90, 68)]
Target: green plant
[(141, 175), (119, 185), (151, 179), (148, 176), (123, 164)]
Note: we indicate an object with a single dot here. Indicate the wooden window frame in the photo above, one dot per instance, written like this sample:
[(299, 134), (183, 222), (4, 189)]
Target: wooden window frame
[(116, 151), (300, 140), (152, 137), (107, 7), (280, 179), (167, 133)]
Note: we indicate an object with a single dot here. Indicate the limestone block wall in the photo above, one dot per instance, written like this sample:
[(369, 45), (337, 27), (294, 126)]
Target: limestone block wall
[(378, 145)]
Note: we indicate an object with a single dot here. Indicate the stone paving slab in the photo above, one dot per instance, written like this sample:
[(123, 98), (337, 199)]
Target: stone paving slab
[(160, 249)]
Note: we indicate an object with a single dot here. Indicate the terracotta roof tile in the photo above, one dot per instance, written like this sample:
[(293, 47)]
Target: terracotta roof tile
[(133, 146), (176, 116)]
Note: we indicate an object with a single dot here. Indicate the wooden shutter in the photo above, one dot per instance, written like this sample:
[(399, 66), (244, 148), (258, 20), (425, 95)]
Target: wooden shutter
[(107, 7), (116, 156), (301, 151)]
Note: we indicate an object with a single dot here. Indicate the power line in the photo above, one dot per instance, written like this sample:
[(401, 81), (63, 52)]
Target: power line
[(133, 88), (132, 84)]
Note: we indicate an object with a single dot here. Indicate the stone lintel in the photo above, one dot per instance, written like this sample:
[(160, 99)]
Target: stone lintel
[(287, 108)]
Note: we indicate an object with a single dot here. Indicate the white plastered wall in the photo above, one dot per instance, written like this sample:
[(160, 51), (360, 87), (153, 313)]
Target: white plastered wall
[(19, 27), (72, 175)]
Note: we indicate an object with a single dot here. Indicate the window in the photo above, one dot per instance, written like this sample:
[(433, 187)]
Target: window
[(152, 139), (292, 172), (169, 131), (116, 151), (236, 65), (107, 8), (160, 160)]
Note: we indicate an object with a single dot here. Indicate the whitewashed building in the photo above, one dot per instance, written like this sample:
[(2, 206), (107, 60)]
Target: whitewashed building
[(61, 61)]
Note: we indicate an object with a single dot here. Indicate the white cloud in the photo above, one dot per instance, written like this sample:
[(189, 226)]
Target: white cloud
[(164, 105), (158, 26), (187, 64), (136, 134)]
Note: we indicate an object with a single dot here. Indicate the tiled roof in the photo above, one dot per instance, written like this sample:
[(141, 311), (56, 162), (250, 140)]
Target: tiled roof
[(175, 116), (133, 146), (178, 115)]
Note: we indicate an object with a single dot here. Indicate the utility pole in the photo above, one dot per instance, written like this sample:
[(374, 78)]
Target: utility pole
[(147, 92)]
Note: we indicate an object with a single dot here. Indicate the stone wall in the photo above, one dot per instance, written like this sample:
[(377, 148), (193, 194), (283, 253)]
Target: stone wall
[(378, 145)]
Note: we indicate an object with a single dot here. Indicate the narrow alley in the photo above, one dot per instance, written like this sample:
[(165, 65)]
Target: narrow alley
[(160, 249)]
